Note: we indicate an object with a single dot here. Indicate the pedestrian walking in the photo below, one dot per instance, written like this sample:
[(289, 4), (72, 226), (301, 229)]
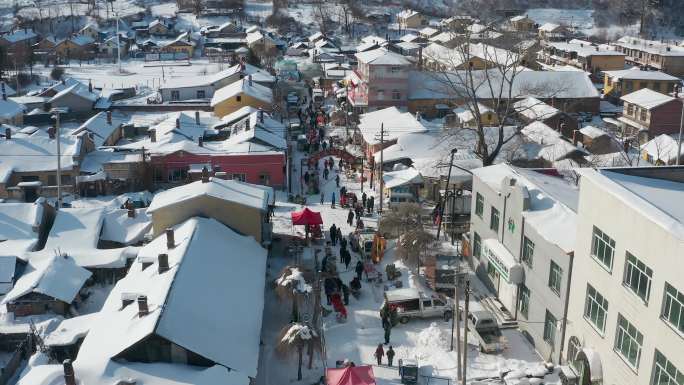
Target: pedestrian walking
[(379, 353), (347, 258), (340, 164), (363, 199), (359, 223), (343, 240), (387, 326), (345, 294), (350, 218), (332, 201), (359, 269), (390, 355), (372, 203), (330, 287), (306, 177), (333, 234), (325, 173), (343, 190), (337, 180), (321, 197)]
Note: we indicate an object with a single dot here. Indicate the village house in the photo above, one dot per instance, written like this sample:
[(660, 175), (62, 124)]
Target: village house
[(657, 55), (11, 112), (243, 207), (532, 109), (393, 122), (76, 98), (78, 47), (109, 47), (110, 172), (227, 29), (91, 30), (204, 86), (466, 118), (241, 93), (437, 57), (20, 39), (622, 82), (183, 46), (428, 32), (159, 27), (647, 114), (552, 32), (104, 128), (522, 255), (662, 150), (37, 291), (457, 23), (521, 23), (546, 147), (583, 55), (410, 19), (380, 80), (598, 141)]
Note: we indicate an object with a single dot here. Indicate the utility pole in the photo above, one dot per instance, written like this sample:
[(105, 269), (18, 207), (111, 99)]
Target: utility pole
[(362, 172), (679, 144), (465, 332), (443, 201), (118, 44), (59, 161), (457, 319), (382, 150)]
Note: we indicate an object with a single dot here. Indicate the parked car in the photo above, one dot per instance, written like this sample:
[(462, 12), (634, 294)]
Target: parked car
[(413, 303), (486, 329)]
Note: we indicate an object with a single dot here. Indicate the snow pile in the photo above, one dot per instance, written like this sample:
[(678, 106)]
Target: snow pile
[(295, 280), (303, 332), (431, 339)]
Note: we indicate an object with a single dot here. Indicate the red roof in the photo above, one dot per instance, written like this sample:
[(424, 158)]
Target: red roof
[(355, 375), (306, 217)]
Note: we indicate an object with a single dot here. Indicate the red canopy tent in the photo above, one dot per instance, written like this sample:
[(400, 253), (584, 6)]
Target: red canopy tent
[(306, 217), (352, 375)]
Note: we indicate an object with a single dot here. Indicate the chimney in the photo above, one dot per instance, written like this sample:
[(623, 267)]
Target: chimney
[(51, 132), (131, 211), (153, 134), (143, 310), (197, 119), (163, 263), (170, 242), (8, 133), (205, 175), (200, 141), (261, 115), (90, 85), (250, 79), (247, 124), (69, 375), (178, 123), (109, 117)]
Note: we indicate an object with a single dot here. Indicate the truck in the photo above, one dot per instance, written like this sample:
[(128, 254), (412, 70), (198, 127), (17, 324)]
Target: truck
[(413, 303), (483, 325)]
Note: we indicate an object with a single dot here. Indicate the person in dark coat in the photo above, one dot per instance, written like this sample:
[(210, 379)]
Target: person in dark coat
[(343, 190), (359, 223), (321, 197), (359, 269), (363, 199), (306, 177), (387, 327), (332, 200), (343, 240), (325, 173), (371, 204), (347, 258), (390, 355), (379, 353), (337, 180), (333, 234), (330, 287), (350, 218), (345, 294)]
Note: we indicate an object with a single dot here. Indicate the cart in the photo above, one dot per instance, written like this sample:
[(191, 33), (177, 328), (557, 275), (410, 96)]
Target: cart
[(408, 371)]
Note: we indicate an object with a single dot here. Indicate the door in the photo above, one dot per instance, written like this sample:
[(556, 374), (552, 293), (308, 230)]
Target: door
[(30, 194), (427, 309)]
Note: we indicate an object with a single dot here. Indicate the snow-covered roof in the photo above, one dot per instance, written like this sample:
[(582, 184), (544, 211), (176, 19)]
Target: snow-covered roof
[(258, 75), (37, 152), (238, 115), (19, 223), (70, 330), (407, 45), (548, 143), (9, 109), (19, 35), (428, 31), (553, 201), (592, 132), (119, 227), (229, 190), (382, 56), (94, 161), (395, 123), (211, 298), (651, 46), (399, 178), (406, 13), (456, 57), (252, 89), (465, 115), (316, 36), (656, 199), (585, 49), (521, 18), (79, 89), (57, 277), (549, 27), (647, 98), (663, 147), (75, 229), (82, 40), (8, 266), (269, 132), (444, 37), (100, 129), (534, 109), (638, 74)]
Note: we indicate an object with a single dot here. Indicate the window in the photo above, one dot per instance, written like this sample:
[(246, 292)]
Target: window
[(177, 174), (158, 174), (574, 347), (52, 180), (240, 177), (265, 179), (524, 304), (381, 94), (595, 308), (494, 220), (630, 109), (479, 205), (238, 98), (395, 70), (528, 251), (629, 86), (643, 117), (396, 95), (673, 308), (628, 341), (664, 372), (602, 248), (637, 277), (477, 245), (555, 277), (550, 328), (201, 94), (175, 95)]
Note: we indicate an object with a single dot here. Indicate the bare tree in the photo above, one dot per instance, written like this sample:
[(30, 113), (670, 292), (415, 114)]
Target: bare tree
[(293, 338), (322, 15)]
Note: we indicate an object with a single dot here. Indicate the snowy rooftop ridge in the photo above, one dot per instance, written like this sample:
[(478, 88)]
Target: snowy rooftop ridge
[(647, 98), (245, 86), (382, 56)]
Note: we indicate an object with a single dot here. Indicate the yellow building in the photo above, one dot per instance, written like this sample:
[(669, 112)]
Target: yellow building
[(618, 83), (182, 44), (239, 94)]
